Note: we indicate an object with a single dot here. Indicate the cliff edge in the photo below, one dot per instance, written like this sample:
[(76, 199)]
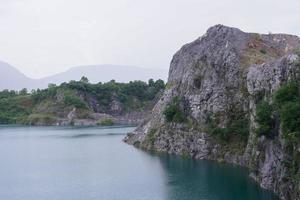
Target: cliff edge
[(222, 103)]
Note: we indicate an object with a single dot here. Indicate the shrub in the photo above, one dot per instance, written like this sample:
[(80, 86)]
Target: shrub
[(288, 92), (287, 99), (151, 136), (5, 119), (13, 108), (264, 119), (221, 133), (290, 118), (237, 125), (297, 51), (173, 112), (263, 51), (74, 101), (106, 122), (40, 118), (240, 127)]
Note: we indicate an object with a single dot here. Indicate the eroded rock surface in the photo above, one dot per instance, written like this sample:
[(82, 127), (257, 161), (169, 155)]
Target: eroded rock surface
[(222, 76)]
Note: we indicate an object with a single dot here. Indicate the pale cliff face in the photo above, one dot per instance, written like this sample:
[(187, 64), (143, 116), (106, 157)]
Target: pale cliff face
[(222, 75)]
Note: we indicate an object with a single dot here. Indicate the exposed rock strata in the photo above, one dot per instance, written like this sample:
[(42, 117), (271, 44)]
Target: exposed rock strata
[(224, 73)]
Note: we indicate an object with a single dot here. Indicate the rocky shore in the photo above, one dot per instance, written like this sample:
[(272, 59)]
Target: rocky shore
[(209, 107)]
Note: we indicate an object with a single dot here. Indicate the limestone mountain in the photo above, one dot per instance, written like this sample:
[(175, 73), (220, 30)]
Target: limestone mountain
[(233, 96)]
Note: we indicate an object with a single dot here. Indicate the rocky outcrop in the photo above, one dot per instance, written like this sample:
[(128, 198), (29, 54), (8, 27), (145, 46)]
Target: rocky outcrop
[(91, 119), (218, 80), (56, 113)]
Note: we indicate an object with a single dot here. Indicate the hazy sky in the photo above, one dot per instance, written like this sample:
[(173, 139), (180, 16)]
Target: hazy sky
[(43, 37)]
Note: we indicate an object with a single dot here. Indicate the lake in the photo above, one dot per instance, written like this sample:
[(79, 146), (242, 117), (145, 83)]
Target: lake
[(92, 163)]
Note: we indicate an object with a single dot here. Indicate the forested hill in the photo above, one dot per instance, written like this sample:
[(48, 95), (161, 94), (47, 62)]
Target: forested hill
[(81, 103)]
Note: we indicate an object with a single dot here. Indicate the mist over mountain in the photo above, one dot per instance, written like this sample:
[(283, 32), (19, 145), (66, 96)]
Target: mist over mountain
[(13, 79), (104, 73)]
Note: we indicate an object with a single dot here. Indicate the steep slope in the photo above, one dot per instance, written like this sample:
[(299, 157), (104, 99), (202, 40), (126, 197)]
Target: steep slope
[(209, 108), (12, 79)]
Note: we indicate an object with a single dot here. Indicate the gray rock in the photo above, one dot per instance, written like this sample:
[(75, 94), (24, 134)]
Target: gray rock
[(219, 75)]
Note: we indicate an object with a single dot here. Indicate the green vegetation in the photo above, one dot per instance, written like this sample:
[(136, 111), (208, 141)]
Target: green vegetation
[(37, 118), (106, 122), (151, 136), (72, 100), (264, 119), (84, 79), (297, 51), (16, 106), (286, 106), (236, 126), (287, 93), (173, 112), (290, 118), (169, 85), (263, 51), (287, 99)]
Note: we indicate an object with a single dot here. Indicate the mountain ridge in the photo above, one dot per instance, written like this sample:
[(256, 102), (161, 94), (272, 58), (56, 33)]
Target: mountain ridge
[(12, 79)]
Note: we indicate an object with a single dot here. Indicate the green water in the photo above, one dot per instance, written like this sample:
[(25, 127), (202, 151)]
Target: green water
[(64, 163)]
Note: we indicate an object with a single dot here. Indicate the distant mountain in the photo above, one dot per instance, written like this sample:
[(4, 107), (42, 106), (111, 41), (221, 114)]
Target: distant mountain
[(104, 73), (11, 78)]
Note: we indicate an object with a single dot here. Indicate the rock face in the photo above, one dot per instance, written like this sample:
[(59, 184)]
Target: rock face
[(54, 112), (219, 80)]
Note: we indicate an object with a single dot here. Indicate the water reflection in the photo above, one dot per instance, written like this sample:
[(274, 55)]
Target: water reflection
[(189, 179)]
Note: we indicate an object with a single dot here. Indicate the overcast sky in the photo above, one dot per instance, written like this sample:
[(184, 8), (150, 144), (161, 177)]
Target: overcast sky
[(43, 37)]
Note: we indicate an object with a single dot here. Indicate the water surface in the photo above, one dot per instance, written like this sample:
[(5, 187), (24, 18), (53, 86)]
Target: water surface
[(65, 163)]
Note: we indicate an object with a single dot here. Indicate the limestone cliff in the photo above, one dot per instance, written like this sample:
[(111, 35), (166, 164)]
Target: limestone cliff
[(216, 83)]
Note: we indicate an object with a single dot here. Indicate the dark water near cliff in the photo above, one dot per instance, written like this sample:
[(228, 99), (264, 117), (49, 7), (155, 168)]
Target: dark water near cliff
[(94, 164)]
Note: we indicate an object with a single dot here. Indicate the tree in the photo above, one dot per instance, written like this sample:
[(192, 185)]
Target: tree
[(264, 119), (159, 84), (84, 79), (173, 112), (151, 82), (51, 85), (290, 118), (288, 92), (23, 91)]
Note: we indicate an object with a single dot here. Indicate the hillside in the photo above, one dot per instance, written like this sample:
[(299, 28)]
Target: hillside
[(81, 103), (233, 97)]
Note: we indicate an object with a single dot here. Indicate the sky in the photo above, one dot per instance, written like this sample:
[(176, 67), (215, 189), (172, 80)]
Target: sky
[(44, 37)]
